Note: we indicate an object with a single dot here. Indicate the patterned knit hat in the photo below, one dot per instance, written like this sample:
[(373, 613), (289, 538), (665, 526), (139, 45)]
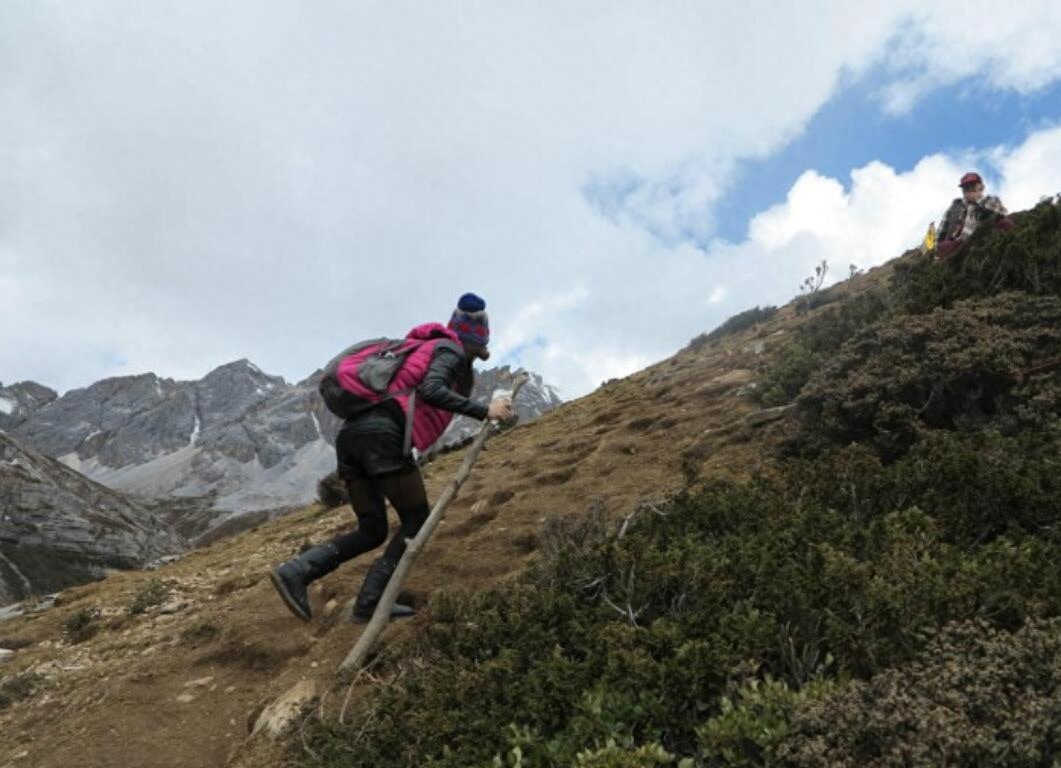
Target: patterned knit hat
[(469, 320)]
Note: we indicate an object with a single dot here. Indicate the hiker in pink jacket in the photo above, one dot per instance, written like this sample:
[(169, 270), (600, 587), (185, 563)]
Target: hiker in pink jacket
[(374, 452)]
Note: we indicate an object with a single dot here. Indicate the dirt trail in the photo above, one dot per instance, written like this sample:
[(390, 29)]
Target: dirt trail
[(161, 690)]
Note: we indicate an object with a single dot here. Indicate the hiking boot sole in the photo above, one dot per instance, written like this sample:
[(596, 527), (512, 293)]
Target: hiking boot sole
[(289, 601)]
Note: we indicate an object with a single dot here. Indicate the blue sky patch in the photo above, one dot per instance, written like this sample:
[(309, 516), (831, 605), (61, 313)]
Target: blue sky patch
[(514, 356), (852, 130)]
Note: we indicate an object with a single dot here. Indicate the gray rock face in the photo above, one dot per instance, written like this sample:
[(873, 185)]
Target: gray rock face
[(238, 440), (107, 418), (134, 419), (21, 400), (768, 415), (58, 528)]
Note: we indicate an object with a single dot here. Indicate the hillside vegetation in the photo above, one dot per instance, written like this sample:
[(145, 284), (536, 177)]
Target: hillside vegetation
[(886, 593)]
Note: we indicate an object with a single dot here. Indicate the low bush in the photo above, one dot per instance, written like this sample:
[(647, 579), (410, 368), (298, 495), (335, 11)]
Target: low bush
[(150, 595), (977, 696), (977, 486), (331, 491), (955, 369), (647, 633), (741, 321), (1028, 259), (82, 624), (816, 340), (18, 688)]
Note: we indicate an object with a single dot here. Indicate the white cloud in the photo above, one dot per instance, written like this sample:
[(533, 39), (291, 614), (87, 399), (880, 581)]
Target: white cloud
[(948, 41), (522, 330), (187, 186), (1032, 170), (880, 215)]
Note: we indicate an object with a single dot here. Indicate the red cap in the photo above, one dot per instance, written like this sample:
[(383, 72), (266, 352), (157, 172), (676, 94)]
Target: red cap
[(972, 177)]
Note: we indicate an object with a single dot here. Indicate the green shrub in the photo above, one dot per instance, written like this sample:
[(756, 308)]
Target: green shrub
[(805, 304), (817, 339), (17, 688), (817, 298), (753, 723), (647, 632), (331, 491), (976, 697), (150, 595), (738, 322), (82, 624), (955, 369), (789, 371), (977, 486), (565, 539), (611, 755), (827, 331), (1028, 259)]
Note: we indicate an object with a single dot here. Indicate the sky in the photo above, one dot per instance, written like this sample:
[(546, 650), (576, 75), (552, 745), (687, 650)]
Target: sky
[(183, 184)]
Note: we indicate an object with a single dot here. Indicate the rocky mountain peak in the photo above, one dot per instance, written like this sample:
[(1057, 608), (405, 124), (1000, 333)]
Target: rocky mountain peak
[(241, 370), (230, 390), (239, 438), (20, 400)]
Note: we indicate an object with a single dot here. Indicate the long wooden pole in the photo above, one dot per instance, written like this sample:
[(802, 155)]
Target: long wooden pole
[(381, 616)]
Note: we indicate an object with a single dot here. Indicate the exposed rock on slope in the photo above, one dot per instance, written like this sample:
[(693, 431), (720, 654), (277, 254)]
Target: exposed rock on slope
[(59, 528)]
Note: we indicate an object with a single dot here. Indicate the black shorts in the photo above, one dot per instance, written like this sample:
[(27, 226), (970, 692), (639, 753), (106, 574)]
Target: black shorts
[(363, 454)]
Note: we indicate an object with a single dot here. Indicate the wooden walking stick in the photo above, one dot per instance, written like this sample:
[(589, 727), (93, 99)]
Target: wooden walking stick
[(381, 616)]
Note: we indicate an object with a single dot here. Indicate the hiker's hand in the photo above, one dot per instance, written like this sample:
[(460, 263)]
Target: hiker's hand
[(501, 410)]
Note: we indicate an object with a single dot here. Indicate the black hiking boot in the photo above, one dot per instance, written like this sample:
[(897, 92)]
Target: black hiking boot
[(372, 590), (292, 577)]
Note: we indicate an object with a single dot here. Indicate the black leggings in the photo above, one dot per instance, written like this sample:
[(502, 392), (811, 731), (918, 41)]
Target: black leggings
[(369, 496)]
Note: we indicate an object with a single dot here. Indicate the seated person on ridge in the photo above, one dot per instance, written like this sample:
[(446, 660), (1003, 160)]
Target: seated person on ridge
[(967, 212)]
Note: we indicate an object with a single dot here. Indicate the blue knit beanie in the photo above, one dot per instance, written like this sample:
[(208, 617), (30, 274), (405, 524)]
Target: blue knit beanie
[(469, 320)]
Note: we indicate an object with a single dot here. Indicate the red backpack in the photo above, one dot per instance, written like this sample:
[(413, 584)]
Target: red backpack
[(377, 362), (363, 375)]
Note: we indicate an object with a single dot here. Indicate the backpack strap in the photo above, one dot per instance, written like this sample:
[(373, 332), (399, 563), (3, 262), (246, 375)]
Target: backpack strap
[(453, 345), (393, 346), (953, 219), (410, 413)]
